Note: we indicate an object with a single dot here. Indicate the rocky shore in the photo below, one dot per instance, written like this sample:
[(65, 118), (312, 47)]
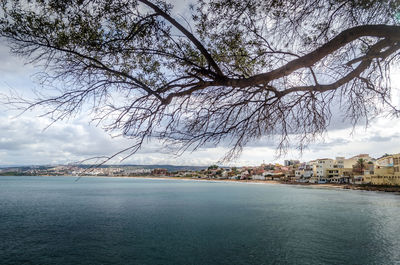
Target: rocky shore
[(373, 188)]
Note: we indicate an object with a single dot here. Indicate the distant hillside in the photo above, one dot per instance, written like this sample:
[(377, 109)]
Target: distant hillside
[(170, 168)]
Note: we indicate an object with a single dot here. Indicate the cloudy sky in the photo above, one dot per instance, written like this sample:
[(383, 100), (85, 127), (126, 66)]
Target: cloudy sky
[(24, 139)]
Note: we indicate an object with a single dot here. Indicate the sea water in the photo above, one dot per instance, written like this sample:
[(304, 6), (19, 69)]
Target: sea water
[(57, 220)]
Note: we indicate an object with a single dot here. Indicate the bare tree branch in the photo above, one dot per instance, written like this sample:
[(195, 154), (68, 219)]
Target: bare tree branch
[(247, 70)]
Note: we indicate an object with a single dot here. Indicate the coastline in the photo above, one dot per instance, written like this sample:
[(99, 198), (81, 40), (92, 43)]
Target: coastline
[(391, 189)]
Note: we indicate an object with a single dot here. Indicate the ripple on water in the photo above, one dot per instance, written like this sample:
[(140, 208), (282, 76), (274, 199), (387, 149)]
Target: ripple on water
[(143, 221)]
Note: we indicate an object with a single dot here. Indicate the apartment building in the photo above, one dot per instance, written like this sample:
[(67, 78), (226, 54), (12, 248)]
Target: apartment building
[(387, 171)]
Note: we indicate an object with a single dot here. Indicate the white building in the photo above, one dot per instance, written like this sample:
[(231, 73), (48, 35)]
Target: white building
[(321, 165), (339, 162), (319, 169), (258, 177)]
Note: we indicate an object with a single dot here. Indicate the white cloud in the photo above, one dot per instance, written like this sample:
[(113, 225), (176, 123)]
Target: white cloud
[(382, 136)]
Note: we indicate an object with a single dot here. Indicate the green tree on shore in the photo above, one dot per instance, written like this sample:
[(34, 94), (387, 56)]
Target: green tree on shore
[(361, 165), (212, 167)]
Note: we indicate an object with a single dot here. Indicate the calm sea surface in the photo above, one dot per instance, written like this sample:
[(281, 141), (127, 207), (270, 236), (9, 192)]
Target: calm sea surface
[(54, 220)]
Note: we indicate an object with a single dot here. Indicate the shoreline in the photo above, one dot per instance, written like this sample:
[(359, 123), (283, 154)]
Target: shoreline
[(391, 189)]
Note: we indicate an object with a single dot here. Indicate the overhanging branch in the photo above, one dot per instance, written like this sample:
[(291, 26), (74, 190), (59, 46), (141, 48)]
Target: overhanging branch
[(189, 35), (347, 36)]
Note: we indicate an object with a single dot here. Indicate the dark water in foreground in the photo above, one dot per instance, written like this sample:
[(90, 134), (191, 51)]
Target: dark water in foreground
[(54, 220)]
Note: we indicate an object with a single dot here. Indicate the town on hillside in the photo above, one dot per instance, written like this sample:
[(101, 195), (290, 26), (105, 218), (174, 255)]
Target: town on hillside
[(360, 169)]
